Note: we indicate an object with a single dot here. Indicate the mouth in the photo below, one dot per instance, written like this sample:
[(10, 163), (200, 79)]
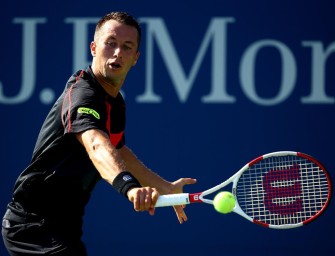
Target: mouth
[(115, 65)]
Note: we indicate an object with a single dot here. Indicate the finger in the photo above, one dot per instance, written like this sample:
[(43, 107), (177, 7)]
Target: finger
[(185, 181), (147, 201), (180, 214), (154, 197), (136, 202), (152, 211), (144, 200), (189, 181)]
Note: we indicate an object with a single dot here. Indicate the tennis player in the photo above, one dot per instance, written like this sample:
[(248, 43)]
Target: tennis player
[(81, 141)]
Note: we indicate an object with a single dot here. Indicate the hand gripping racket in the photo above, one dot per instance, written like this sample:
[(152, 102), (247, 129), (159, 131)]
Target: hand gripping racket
[(278, 190)]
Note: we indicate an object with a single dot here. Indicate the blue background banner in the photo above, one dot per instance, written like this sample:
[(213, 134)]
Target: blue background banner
[(218, 83)]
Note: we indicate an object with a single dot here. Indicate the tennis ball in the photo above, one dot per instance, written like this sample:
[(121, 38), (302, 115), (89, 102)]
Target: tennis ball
[(224, 202)]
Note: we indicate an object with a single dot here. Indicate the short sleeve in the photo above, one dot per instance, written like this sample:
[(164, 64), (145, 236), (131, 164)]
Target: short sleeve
[(83, 108)]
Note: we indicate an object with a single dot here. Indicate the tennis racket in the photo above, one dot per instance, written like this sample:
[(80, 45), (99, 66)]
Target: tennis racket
[(279, 190)]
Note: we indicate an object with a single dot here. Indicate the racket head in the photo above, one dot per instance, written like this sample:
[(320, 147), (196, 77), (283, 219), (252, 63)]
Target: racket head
[(282, 190)]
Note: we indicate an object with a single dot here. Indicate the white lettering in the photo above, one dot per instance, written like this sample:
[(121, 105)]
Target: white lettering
[(29, 36), (247, 72), (215, 38), (157, 30), (80, 41), (319, 58)]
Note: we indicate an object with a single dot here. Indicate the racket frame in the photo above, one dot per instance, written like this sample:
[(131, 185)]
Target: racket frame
[(187, 198)]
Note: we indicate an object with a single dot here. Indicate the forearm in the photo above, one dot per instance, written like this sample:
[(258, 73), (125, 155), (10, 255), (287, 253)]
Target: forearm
[(103, 154), (142, 173), (110, 162)]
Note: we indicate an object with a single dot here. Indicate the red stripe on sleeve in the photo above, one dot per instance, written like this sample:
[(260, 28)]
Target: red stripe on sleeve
[(68, 94)]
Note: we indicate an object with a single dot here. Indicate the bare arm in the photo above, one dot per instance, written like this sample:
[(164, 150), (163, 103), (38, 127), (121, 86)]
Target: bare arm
[(148, 178), (103, 154), (145, 176), (110, 162), (107, 160)]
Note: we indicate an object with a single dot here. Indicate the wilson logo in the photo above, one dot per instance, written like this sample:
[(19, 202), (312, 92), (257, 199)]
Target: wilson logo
[(127, 177), (89, 111)]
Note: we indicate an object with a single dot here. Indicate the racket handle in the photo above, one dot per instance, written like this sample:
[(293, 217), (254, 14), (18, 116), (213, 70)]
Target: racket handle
[(173, 199)]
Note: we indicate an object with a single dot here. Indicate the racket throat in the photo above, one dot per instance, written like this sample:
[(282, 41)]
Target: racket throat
[(196, 198)]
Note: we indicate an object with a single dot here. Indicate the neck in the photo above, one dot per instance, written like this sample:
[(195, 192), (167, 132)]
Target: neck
[(111, 87)]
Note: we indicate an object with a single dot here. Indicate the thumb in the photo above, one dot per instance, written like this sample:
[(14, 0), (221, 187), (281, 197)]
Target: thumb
[(189, 181)]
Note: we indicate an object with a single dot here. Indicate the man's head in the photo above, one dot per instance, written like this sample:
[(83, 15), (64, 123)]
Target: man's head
[(121, 17), (115, 49)]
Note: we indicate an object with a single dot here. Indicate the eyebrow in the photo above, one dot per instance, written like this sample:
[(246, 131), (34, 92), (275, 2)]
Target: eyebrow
[(127, 42)]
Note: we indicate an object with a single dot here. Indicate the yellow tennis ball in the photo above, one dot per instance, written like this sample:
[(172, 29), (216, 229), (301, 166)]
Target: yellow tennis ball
[(224, 202)]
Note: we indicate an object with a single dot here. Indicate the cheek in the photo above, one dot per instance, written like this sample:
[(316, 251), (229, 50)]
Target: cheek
[(134, 59), (105, 52)]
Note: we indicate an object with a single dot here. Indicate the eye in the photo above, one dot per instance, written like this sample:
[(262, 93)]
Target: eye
[(111, 43), (127, 47)]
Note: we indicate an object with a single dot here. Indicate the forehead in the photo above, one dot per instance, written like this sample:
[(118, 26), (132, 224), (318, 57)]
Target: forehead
[(120, 31)]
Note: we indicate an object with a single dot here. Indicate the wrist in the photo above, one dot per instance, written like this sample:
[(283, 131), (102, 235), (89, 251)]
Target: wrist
[(166, 188), (124, 182)]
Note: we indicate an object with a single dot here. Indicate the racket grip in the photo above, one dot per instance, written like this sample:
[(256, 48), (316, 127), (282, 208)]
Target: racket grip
[(173, 199)]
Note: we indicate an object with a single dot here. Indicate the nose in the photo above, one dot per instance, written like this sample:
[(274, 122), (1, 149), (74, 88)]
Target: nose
[(117, 52)]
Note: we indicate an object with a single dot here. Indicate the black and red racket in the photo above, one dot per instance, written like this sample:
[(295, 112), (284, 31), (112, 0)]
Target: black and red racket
[(279, 190)]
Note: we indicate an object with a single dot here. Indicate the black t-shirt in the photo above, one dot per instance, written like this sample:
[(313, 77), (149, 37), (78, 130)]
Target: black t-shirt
[(58, 182)]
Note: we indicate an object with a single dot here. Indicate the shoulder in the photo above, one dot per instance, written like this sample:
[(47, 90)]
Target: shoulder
[(83, 78), (82, 84), (119, 98)]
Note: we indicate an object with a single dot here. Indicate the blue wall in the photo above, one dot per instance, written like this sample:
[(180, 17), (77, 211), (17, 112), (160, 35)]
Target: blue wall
[(218, 83)]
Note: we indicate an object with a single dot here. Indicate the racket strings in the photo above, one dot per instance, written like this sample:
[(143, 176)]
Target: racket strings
[(283, 190)]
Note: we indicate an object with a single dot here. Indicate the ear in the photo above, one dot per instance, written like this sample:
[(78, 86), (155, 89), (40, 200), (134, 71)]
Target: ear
[(93, 48)]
